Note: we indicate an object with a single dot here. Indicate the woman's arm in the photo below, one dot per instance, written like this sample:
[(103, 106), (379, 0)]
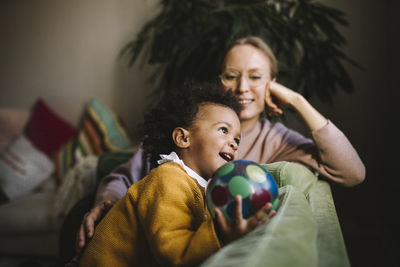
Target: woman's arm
[(114, 186), (288, 98), (338, 160)]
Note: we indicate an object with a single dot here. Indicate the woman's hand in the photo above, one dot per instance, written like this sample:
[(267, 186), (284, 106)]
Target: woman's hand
[(278, 97), (241, 226), (86, 230)]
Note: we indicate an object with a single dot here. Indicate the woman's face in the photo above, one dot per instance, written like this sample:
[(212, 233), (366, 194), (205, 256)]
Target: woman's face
[(247, 71)]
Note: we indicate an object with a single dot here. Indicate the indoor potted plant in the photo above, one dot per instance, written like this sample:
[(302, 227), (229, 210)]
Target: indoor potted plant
[(187, 39)]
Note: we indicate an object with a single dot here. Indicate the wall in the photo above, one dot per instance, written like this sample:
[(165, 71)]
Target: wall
[(67, 52)]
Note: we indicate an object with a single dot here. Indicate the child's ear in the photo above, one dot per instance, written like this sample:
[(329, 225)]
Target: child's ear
[(181, 137)]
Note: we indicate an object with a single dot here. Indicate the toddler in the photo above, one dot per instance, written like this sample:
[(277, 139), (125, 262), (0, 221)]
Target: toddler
[(163, 218)]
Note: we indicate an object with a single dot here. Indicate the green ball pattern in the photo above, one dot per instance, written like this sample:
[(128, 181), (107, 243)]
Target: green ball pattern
[(239, 185)]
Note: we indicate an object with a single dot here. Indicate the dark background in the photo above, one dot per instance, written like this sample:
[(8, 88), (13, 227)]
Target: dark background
[(369, 117)]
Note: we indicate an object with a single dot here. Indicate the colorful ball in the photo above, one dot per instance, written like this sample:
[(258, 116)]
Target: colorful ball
[(241, 177)]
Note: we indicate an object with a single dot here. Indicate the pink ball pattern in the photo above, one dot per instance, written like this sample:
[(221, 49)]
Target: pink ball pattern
[(241, 177)]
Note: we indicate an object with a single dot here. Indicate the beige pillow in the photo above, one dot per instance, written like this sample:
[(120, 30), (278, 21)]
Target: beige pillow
[(12, 124), (22, 167)]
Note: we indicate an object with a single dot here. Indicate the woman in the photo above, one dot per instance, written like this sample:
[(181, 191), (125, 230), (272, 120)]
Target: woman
[(250, 70)]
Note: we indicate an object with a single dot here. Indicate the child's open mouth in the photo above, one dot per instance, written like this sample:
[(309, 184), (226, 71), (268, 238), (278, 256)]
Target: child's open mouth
[(226, 156)]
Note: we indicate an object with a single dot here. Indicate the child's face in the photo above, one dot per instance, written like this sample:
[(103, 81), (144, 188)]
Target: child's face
[(214, 139)]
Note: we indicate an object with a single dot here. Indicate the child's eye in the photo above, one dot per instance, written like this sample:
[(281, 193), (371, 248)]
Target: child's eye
[(223, 130), (237, 141)]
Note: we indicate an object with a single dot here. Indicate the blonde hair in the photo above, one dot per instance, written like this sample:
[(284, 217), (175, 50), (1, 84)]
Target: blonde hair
[(262, 46)]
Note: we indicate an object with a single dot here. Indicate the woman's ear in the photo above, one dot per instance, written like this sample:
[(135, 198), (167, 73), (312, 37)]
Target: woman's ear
[(181, 137)]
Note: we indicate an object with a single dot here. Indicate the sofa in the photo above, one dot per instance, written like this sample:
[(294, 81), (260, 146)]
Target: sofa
[(25, 230), (304, 232)]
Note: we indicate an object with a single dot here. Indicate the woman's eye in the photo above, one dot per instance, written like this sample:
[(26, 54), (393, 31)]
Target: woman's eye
[(223, 130), (255, 77), (230, 77)]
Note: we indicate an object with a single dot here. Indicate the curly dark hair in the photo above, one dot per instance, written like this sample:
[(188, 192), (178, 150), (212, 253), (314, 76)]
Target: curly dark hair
[(179, 109)]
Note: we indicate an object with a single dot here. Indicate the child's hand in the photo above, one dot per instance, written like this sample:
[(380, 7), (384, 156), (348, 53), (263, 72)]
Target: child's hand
[(241, 226)]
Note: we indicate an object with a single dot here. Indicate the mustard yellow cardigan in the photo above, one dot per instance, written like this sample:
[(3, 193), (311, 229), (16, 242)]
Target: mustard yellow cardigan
[(162, 220)]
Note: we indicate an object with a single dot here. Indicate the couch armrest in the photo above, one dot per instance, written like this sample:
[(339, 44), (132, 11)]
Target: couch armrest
[(330, 243), (289, 173), (331, 246), (306, 223), (289, 239)]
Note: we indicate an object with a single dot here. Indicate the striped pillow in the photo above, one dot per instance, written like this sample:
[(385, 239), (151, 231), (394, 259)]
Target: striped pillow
[(101, 131)]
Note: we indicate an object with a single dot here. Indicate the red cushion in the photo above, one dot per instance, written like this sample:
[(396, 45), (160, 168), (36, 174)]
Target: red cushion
[(46, 130)]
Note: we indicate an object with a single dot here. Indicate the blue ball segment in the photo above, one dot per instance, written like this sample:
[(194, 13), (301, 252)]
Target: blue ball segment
[(241, 177)]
